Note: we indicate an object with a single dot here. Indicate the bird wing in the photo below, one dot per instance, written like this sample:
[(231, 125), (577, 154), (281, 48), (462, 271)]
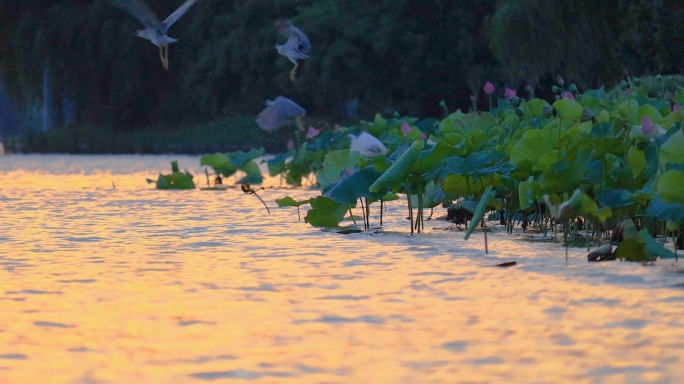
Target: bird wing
[(297, 39), (140, 11), (178, 13), (278, 113)]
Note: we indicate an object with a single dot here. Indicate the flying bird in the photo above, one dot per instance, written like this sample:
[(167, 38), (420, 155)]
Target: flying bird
[(155, 30), (280, 112), (296, 47), (367, 145)]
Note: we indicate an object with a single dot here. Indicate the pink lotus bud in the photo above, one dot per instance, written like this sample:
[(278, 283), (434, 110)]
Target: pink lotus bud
[(489, 88), (509, 93), (423, 136), (405, 127), (312, 132), (648, 127), (337, 127), (676, 108), (290, 144), (559, 80), (569, 95)]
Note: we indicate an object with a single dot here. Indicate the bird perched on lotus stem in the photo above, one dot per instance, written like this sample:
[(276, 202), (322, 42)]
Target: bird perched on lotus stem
[(296, 47), (155, 30), (280, 112), (367, 145)]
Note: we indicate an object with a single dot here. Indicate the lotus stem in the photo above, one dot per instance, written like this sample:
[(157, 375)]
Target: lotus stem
[(485, 233), (352, 215), (367, 213), (299, 216), (262, 202), (410, 207), (381, 209)]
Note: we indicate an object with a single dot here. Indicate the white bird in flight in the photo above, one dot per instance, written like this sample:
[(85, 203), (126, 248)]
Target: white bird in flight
[(367, 145), (155, 30), (296, 47)]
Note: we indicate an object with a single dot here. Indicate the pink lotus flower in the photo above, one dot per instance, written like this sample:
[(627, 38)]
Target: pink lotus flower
[(559, 80), (509, 93), (290, 144), (423, 136), (676, 108), (312, 132), (569, 95), (648, 128), (405, 127), (489, 88), (337, 127)]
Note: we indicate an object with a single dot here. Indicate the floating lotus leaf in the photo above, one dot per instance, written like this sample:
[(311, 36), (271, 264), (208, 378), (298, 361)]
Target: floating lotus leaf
[(287, 201), (325, 212)]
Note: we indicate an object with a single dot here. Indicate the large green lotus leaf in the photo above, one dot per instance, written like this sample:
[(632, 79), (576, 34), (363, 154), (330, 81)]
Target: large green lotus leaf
[(589, 101), (673, 150), (467, 186), (667, 212), (448, 125), (240, 158), (636, 158), (334, 164), (176, 180), (547, 160), (615, 198), (629, 110), (654, 248), (632, 250), (479, 211), (533, 144), (401, 168), (325, 212), (380, 163), (349, 188), (535, 107), (220, 163), (253, 173), (569, 109), (477, 164), (475, 121), (287, 201), (651, 112), (432, 157), (671, 187)]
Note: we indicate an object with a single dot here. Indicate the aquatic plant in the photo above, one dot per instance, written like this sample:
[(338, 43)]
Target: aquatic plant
[(176, 180), (586, 162)]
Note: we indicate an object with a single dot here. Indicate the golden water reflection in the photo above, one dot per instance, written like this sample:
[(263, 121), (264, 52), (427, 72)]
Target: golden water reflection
[(137, 285)]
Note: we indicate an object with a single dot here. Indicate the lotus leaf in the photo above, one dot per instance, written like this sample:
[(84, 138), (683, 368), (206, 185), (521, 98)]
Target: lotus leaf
[(287, 201), (671, 187), (633, 249), (349, 188), (335, 163), (569, 109), (654, 248), (325, 212), (479, 211), (673, 150), (400, 169)]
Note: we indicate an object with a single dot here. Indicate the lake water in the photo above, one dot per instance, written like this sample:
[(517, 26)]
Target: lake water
[(137, 285)]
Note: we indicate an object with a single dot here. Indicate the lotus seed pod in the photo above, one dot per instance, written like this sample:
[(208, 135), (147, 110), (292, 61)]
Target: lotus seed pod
[(555, 89), (515, 101), (572, 88), (548, 111), (587, 115), (519, 112), (659, 78), (559, 80), (636, 81)]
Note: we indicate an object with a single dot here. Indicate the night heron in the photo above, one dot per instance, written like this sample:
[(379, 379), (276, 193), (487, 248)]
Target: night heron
[(155, 30), (280, 112), (367, 145), (296, 47)]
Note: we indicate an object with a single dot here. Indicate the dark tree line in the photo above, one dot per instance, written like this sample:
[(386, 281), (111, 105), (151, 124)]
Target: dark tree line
[(404, 55)]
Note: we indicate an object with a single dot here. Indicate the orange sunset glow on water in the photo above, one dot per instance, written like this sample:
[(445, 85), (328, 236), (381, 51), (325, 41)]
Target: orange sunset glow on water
[(105, 279)]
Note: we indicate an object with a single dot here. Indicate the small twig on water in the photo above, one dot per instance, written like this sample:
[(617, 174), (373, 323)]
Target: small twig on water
[(247, 189)]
